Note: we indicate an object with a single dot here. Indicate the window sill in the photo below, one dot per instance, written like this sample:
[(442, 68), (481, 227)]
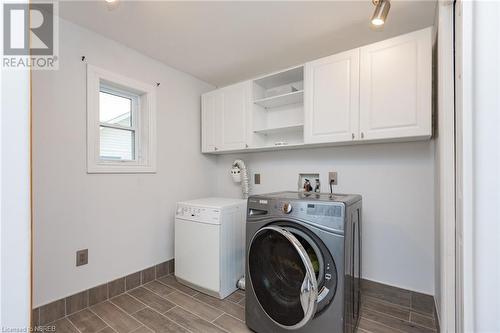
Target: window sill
[(119, 168)]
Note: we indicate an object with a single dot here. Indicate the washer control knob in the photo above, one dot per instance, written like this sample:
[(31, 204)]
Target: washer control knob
[(287, 208)]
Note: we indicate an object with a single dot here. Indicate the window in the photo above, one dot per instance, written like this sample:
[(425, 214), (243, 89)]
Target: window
[(121, 125)]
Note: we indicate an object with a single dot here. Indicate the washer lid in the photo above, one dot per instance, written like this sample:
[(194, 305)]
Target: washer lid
[(213, 202)]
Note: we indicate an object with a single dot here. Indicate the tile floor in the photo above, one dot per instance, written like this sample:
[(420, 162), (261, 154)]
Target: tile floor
[(164, 305)]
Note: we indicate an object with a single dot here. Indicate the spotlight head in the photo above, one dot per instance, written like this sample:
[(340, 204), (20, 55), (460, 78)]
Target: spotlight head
[(381, 10)]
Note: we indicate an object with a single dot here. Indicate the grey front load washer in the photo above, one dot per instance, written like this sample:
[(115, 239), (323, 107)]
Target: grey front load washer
[(303, 262)]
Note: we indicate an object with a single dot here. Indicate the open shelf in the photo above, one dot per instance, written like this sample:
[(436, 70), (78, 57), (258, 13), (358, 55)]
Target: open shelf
[(281, 78), (282, 129), (281, 100)]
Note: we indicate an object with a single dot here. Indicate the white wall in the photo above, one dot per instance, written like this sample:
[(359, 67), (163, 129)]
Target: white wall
[(125, 220), (15, 233), (397, 184)]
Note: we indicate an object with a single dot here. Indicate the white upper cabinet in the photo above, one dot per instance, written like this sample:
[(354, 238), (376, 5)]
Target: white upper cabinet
[(233, 121), (224, 118), (381, 92), (332, 98), (396, 88), (210, 105)]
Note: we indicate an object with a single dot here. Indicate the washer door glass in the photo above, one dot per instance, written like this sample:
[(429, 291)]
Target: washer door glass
[(283, 277)]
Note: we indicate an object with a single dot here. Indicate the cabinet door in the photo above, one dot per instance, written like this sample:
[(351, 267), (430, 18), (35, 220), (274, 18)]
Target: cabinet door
[(233, 117), (396, 87), (211, 106), (332, 98)]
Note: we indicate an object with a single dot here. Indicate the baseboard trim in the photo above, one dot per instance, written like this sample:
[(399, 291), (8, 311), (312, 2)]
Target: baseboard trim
[(63, 307)]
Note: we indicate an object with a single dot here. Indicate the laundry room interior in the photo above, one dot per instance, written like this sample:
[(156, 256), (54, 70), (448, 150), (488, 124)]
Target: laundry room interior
[(253, 166)]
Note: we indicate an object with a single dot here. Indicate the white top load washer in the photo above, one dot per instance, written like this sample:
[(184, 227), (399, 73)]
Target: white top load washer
[(210, 244)]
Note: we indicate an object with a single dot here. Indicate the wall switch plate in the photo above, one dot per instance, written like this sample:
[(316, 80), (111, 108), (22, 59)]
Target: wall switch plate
[(332, 178), (256, 178), (82, 257)]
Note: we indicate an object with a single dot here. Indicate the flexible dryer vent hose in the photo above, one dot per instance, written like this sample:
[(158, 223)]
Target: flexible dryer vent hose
[(241, 283), (244, 177)]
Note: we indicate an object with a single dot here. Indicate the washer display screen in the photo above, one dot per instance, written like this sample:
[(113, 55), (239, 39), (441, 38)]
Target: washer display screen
[(324, 210)]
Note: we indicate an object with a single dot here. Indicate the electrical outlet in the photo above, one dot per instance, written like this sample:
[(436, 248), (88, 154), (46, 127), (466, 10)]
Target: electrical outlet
[(82, 257), (332, 178), (256, 178)]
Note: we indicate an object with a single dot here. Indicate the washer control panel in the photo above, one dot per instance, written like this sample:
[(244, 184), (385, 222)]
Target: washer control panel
[(328, 215), (198, 213)]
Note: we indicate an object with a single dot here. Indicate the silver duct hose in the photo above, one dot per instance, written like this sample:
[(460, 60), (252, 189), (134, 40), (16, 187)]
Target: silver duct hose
[(244, 177), (241, 283)]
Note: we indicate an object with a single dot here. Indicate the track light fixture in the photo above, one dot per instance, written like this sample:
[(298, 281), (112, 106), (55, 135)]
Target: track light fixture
[(381, 10)]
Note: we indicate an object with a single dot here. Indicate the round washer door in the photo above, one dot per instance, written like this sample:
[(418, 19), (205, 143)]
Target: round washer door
[(283, 277)]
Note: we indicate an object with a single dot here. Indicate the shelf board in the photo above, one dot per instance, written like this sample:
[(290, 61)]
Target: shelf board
[(281, 78), (273, 130), (281, 100)]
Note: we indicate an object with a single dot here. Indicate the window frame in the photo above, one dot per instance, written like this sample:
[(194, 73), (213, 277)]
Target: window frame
[(143, 122)]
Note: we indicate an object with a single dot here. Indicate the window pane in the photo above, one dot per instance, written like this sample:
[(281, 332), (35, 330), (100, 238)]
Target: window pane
[(116, 144), (115, 109)]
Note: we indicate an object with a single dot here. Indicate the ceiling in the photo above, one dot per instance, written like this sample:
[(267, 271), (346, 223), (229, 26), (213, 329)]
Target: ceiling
[(226, 42)]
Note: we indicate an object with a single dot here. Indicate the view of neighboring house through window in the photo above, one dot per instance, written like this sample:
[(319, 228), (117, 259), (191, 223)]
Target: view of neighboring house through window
[(117, 125)]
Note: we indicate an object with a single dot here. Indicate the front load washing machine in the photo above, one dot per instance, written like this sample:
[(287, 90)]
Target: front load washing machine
[(303, 262)]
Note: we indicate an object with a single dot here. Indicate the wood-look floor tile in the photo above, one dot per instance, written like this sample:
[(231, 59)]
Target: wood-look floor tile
[(231, 308), (375, 327), (115, 317), (422, 320), (87, 322), (190, 321), (387, 293), (171, 282), (159, 288), (390, 296), (127, 303), (149, 298), (235, 297), (193, 305), (142, 329), (395, 323), (242, 302), (157, 322), (386, 308), (232, 324), (107, 329), (64, 326)]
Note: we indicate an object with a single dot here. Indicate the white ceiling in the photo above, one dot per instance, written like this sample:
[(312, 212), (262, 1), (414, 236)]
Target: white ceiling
[(226, 42)]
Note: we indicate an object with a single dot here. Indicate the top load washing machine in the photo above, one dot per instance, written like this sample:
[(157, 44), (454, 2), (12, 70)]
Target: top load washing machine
[(209, 244), (303, 264)]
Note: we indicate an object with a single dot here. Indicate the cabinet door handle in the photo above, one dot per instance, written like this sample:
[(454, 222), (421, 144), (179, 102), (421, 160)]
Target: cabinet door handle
[(362, 135), (353, 136), (246, 145), (215, 148)]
